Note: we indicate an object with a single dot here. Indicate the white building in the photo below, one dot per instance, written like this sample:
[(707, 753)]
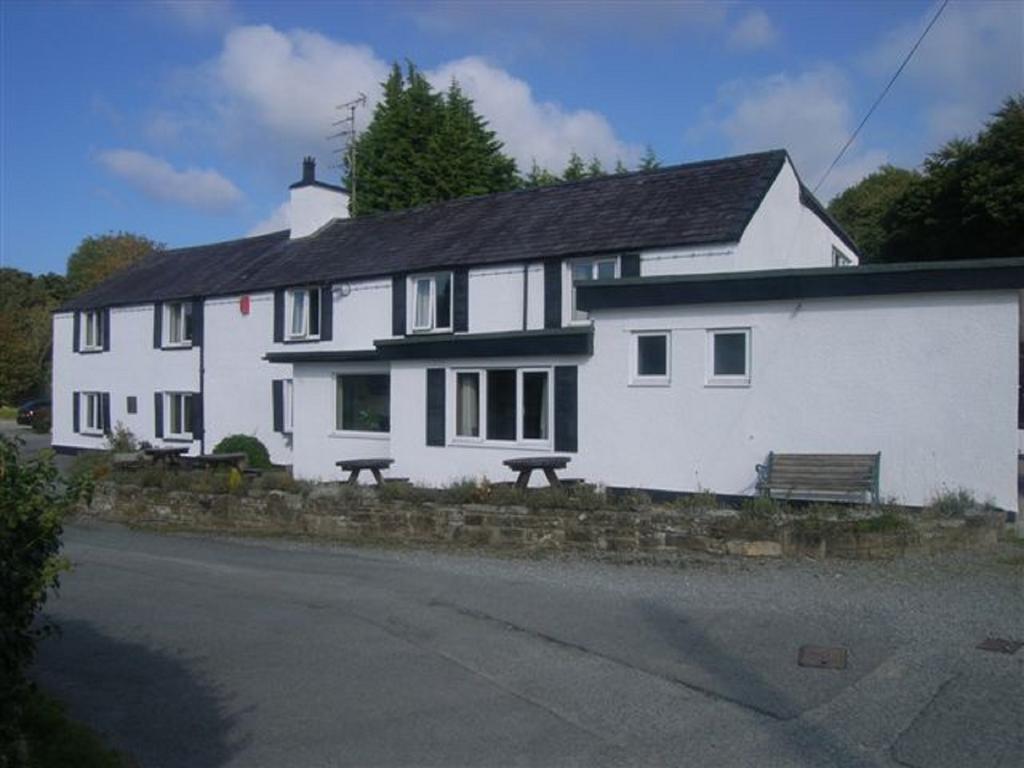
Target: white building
[(665, 329)]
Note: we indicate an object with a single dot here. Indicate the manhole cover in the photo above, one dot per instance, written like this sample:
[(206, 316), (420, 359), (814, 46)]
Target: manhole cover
[(999, 645), (822, 657)]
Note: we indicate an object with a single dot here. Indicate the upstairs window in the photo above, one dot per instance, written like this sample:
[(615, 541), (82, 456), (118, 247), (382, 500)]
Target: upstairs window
[(590, 269), (178, 324), (303, 313), (92, 330), (650, 359), (432, 302), (729, 357)]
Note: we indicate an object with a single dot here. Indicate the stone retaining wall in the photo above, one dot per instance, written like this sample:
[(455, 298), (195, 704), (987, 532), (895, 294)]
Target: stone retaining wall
[(342, 514)]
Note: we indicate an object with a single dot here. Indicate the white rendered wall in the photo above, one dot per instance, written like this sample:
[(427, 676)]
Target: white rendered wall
[(362, 314), (131, 367), (496, 299), (929, 380), (312, 206)]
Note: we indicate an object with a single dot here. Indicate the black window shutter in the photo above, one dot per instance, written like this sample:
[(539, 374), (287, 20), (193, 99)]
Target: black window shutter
[(552, 294), (158, 325), (197, 322), (158, 411), (630, 265), (279, 315), (277, 394), (105, 412), (105, 330), (398, 305), (77, 330), (196, 427), (76, 425), (566, 407), (460, 293), (326, 313), (435, 406)]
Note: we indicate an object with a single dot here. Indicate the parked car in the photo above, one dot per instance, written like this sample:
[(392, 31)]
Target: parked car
[(27, 411)]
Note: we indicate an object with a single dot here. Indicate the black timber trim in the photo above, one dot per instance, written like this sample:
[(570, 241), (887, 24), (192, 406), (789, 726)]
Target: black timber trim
[(316, 183), (819, 283), (435, 409), (552, 294), (335, 356), (398, 311), (561, 341), (811, 203)]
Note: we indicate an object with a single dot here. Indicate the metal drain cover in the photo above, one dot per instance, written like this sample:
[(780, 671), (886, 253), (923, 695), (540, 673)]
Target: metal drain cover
[(999, 645), (822, 657)]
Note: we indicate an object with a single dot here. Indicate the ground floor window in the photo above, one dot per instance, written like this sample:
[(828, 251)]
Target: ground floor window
[(729, 356), (363, 402), (92, 410), (515, 404), (179, 415)]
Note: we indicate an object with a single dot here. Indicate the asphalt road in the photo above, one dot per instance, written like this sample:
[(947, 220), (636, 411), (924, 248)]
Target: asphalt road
[(197, 652)]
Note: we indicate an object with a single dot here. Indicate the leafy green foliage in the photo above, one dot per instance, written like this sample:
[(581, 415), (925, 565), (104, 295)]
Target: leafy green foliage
[(953, 503), (252, 447), (539, 177), (649, 161), (98, 257), (423, 147), (53, 740), (33, 503), (861, 208), (122, 439), (574, 169), (26, 333)]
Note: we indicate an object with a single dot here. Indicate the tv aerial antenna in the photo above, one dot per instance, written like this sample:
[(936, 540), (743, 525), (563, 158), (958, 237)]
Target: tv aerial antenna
[(347, 133)]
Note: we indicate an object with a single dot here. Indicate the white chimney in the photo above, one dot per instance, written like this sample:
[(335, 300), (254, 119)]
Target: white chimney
[(314, 203)]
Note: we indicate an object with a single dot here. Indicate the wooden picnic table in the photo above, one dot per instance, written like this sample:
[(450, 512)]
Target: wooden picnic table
[(355, 466), (548, 464), (212, 460), (168, 456)]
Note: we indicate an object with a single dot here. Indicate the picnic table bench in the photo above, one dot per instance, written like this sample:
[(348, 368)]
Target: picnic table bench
[(355, 466), (548, 464), (820, 476), (213, 460), (168, 456)]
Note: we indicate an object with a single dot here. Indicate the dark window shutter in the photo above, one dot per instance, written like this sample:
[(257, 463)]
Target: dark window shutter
[(630, 265), (277, 394), (196, 427), (158, 411), (279, 315), (197, 322), (398, 305), (552, 294), (566, 407), (326, 313), (435, 406), (105, 412), (158, 325), (76, 425), (105, 330), (77, 330), (460, 294)]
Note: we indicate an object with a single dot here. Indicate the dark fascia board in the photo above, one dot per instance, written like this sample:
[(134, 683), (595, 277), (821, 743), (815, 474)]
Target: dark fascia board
[(783, 284), (809, 201), (324, 356), (555, 341), (323, 184)]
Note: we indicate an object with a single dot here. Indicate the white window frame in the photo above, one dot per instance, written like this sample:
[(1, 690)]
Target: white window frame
[(169, 433), (92, 405), (302, 334), (840, 259), (593, 262), (92, 324), (184, 307), (361, 433), (288, 405), (658, 380), (431, 326), (729, 380), (483, 439)]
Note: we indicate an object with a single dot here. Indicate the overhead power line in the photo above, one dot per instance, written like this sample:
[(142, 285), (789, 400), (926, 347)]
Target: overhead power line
[(896, 74)]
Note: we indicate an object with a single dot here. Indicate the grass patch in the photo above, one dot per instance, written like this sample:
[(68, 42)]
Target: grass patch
[(953, 503), (53, 740), (8, 412)]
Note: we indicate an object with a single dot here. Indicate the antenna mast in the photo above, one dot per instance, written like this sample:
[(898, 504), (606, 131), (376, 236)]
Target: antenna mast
[(347, 133)]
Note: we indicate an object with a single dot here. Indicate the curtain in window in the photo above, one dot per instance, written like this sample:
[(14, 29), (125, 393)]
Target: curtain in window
[(174, 323), (422, 304), (467, 411), (298, 327)]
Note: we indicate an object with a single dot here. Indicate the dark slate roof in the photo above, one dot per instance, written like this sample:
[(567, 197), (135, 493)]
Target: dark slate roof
[(703, 203)]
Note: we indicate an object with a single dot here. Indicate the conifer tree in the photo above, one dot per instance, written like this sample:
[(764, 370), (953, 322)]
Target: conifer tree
[(594, 167), (619, 167), (574, 169), (539, 177), (649, 161)]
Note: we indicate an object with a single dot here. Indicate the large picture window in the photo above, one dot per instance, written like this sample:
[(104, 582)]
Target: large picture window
[(590, 269), (513, 404), (432, 302), (303, 308), (363, 402), (729, 357)]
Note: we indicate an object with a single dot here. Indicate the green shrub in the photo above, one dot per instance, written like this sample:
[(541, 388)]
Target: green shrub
[(762, 506), (122, 440), (42, 421), (91, 465), (953, 503), (887, 522), (255, 451), (33, 502), (701, 501)]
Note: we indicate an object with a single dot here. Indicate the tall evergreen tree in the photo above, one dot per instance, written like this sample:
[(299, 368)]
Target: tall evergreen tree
[(620, 167), (648, 161), (574, 169), (539, 177), (594, 168)]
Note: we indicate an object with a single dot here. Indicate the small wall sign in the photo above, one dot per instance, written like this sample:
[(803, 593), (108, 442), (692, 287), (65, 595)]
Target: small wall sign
[(243, 305)]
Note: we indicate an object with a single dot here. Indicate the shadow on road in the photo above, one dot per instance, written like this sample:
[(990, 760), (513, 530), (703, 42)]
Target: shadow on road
[(142, 701)]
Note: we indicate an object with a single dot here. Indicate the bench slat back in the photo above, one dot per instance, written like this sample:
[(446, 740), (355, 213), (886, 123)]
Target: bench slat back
[(814, 474)]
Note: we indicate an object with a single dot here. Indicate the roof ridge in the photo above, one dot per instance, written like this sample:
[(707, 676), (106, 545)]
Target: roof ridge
[(231, 241)]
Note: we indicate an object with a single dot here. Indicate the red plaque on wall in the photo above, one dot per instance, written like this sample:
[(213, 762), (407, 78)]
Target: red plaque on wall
[(243, 305)]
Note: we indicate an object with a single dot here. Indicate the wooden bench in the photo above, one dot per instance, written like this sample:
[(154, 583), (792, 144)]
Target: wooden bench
[(820, 476), (355, 466), (548, 464), (168, 456)]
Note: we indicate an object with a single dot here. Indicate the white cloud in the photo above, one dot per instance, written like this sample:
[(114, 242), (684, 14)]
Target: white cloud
[(807, 114), (199, 15), (530, 128), (279, 219), (970, 61), (753, 32), (204, 189)]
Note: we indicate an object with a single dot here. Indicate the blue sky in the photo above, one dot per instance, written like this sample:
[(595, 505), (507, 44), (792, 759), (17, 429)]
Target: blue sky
[(186, 121)]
